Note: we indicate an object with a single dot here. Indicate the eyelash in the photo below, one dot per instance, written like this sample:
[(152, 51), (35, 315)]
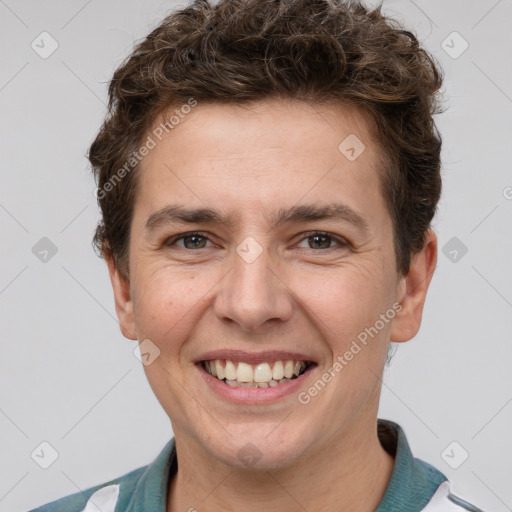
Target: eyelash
[(342, 243)]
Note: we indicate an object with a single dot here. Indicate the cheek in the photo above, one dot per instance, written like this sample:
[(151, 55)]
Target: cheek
[(167, 302), (344, 301)]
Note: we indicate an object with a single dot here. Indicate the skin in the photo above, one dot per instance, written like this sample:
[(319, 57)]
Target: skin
[(298, 295)]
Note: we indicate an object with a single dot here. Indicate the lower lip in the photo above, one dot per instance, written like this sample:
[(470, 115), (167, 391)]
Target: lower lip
[(242, 395)]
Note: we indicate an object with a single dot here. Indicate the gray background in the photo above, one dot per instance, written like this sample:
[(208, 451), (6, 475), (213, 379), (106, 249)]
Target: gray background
[(69, 377)]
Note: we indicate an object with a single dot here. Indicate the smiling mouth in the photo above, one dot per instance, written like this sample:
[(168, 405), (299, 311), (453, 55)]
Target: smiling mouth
[(262, 375)]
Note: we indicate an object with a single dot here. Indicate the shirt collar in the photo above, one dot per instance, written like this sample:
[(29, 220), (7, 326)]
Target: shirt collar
[(413, 481), (150, 492)]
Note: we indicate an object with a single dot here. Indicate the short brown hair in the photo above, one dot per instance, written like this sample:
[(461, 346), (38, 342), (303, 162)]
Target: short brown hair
[(319, 51)]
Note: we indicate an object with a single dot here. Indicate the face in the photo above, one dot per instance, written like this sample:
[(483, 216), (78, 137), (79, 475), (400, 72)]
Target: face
[(288, 267)]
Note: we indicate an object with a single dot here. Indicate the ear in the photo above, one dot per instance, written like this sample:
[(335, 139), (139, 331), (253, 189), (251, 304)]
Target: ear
[(123, 300), (412, 291)]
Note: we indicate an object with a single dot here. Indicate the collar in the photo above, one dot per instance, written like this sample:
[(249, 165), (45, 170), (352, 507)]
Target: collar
[(150, 492), (413, 481)]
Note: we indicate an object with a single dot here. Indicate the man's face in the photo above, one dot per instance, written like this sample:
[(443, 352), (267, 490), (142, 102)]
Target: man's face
[(259, 291)]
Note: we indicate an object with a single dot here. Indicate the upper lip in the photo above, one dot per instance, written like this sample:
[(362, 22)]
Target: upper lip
[(253, 357)]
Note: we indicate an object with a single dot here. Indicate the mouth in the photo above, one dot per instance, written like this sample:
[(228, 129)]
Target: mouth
[(266, 374)]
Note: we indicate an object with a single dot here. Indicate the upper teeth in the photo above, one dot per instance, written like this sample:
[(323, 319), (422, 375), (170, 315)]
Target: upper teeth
[(262, 372)]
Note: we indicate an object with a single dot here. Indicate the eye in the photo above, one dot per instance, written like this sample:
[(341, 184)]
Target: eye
[(316, 240), (322, 240), (194, 240)]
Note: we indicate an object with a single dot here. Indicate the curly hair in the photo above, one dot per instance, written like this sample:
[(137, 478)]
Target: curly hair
[(239, 51)]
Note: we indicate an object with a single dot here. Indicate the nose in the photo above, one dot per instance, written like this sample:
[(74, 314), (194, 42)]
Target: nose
[(253, 293)]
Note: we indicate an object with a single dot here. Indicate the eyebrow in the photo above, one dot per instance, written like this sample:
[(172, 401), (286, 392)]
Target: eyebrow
[(295, 214)]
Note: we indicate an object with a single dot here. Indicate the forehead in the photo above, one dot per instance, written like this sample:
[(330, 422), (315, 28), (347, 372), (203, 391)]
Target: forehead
[(262, 155), (283, 124)]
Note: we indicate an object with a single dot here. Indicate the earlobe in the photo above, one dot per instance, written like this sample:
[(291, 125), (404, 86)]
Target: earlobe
[(412, 291), (123, 300)]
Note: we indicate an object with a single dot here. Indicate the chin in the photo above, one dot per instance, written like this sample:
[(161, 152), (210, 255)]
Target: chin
[(250, 449)]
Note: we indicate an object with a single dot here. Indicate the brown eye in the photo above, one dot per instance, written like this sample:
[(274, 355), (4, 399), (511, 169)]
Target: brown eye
[(196, 241), (322, 240), (190, 241)]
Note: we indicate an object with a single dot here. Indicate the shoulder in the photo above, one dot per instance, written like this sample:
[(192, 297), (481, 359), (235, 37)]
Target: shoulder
[(144, 488), (415, 485), (104, 495), (444, 501)]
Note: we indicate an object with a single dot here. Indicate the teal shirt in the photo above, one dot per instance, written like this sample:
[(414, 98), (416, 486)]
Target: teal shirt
[(414, 485)]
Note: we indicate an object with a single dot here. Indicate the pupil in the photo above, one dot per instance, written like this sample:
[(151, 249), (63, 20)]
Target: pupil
[(196, 238), (316, 237)]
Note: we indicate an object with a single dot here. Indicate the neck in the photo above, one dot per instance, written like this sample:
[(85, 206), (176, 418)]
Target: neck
[(347, 474)]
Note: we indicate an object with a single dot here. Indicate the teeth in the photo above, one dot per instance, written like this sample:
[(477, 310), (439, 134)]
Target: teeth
[(244, 373), (235, 383), (230, 371), (219, 370), (288, 369), (262, 375), (278, 370), (272, 383)]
